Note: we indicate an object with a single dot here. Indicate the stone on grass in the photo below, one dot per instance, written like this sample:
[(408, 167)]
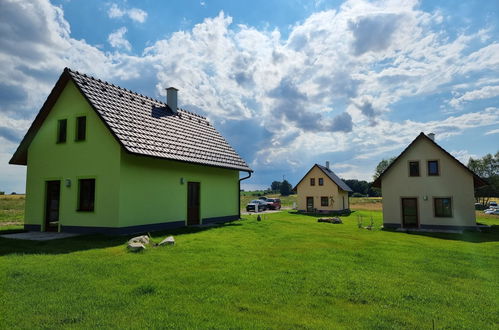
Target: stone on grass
[(330, 220), (136, 247), (167, 241), (144, 239)]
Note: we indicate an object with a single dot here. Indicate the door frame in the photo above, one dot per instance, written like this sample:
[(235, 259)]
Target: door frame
[(199, 204), (46, 227), (402, 211), (306, 203)]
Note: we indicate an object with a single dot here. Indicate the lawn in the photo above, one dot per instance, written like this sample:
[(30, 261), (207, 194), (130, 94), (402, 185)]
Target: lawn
[(11, 210), (286, 271)]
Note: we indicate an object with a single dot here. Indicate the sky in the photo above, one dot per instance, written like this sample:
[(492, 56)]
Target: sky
[(288, 83)]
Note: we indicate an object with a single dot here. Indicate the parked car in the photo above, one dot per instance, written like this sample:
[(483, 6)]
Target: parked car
[(492, 211), (273, 203), (493, 204), (251, 207), (263, 198)]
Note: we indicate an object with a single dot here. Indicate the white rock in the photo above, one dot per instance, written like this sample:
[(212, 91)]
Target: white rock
[(144, 239), (136, 247), (168, 241)]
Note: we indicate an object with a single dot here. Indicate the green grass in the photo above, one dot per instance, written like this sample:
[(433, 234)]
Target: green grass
[(287, 271), (11, 208)]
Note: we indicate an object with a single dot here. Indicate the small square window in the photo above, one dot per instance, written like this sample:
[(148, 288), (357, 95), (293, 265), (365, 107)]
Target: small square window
[(86, 197), (443, 207), (321, 181), (62, 128), (324, 201), (414, 168), (433, 168), (81, 128), (312, 181)]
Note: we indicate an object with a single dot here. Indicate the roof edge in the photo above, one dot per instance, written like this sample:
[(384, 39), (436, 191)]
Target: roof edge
[(477, 181)]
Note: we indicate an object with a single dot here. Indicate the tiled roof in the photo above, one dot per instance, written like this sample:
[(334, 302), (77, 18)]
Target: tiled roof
[(148, 127), (335, 178)]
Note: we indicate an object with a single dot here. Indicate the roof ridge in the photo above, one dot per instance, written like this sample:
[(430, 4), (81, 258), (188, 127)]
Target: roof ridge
[(127, 90)]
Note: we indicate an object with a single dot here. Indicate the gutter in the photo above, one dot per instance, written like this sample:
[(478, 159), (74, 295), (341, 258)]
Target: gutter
[(239, 194)]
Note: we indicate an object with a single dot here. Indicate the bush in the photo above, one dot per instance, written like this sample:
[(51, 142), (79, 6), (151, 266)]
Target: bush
[(2, 192), (356, 194)]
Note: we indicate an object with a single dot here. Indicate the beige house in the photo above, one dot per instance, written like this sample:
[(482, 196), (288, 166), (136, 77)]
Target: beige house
[(426, 187), (320, 190)]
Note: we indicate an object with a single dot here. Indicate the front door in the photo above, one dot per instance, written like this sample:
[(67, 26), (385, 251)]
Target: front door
[(410, 212), (310, 204), (193, 203), (52, 198)]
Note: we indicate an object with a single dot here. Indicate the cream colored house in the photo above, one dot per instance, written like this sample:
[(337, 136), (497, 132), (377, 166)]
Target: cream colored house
[(426, 187), (320, 190)]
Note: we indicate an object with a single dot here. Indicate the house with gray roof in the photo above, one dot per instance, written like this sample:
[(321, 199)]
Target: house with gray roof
[(321, 190), (101, 158)]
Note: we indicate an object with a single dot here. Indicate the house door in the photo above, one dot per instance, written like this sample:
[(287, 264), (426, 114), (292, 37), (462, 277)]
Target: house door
[(410, 212), (193, 203), (52, 199), (310, 204)]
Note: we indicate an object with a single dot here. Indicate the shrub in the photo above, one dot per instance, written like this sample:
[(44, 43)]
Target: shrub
[(356, 194)]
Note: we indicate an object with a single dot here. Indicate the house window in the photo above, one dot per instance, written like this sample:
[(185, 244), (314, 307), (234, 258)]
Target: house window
[(321, 181), (86, 195), (81, 128), (414, 168), (62, 128), (312, 181), (324, 201), (443, 207), (433, 168)]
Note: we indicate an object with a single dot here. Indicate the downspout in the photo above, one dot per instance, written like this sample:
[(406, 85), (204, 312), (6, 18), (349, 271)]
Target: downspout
[(239, 194)]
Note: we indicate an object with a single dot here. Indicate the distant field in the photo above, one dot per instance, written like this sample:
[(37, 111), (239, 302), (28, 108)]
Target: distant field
[(11, 210)]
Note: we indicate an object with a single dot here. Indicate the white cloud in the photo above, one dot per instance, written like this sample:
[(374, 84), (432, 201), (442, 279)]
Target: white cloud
[(117, 39), (135, 14), (463, 156), (485, 92), (494, 131), (328, 88)]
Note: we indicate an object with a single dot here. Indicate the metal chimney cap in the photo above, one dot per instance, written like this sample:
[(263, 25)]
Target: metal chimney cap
[(172, 88), (431, 136)]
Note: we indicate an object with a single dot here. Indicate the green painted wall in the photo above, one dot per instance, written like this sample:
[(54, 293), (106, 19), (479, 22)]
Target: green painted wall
[(130, 190), (151, 190), (97, 157)]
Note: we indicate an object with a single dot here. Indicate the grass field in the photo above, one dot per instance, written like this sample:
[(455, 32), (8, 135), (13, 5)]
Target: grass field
[(11, 210), (287, 271)]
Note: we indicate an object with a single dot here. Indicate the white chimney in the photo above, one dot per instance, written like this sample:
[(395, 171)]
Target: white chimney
[(431, 136), (171, 98), (327, 164)]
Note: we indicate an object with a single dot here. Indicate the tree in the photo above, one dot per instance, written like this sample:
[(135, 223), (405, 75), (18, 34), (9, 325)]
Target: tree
[(285, 188), (275, 186), (487, 168), (382, 166)]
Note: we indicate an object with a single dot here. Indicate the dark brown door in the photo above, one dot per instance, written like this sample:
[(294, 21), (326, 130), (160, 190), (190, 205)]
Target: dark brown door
[(410, 212), (52, 199), (193, 203), (310, 204)]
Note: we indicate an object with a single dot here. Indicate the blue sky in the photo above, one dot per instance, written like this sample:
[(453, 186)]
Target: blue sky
[(288, 83)]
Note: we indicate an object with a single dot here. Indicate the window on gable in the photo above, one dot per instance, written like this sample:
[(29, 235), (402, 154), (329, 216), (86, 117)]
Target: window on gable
[(443, 207), (62, 128), (324, 201), (414, 168), (312, 181), (81, 128), (433, 168), (86, 197), (321, 181)]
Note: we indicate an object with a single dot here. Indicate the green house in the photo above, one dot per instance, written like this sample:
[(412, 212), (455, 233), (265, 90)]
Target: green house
[(104, 159)]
